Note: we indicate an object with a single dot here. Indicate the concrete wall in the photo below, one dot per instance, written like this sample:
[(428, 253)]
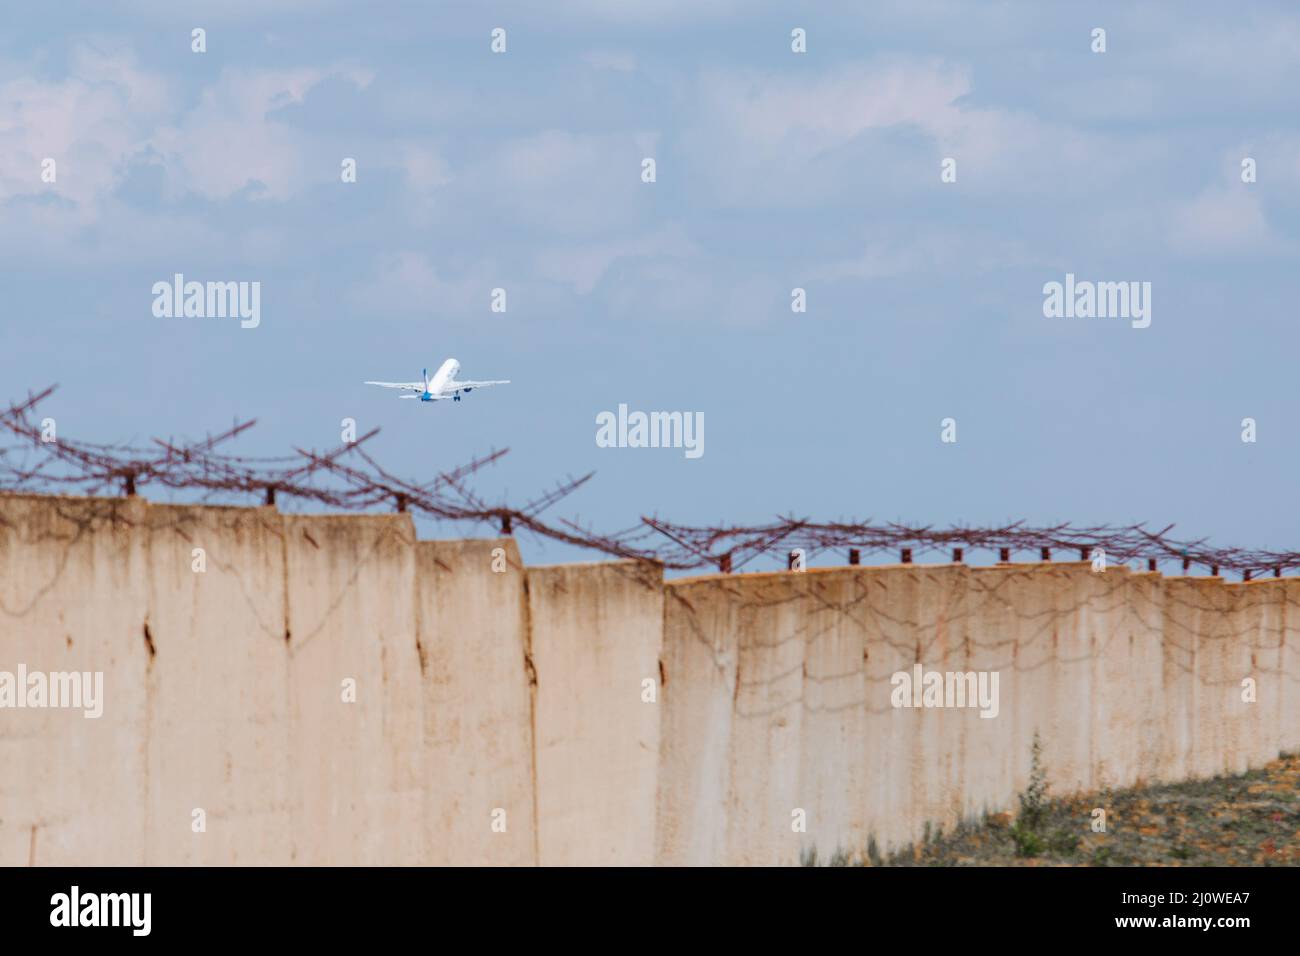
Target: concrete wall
[(357, 769), (581, 714), (778, 698), (478, 693), (73, 596), (224, 685), (216, 670), (596, 633)]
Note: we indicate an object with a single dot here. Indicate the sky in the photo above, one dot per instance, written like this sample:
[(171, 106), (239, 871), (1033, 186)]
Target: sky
[(775, 170)]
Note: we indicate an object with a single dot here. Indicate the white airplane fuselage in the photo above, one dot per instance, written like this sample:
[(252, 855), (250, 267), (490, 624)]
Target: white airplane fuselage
[(446, 373), (442, 385)]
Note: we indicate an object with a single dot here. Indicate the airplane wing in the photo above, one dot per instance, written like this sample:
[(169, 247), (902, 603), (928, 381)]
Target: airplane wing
[(409, 386), (466, 386)]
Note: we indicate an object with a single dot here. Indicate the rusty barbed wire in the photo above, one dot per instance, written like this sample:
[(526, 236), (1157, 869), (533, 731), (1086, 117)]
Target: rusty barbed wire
[(346, 477), (349, 478)]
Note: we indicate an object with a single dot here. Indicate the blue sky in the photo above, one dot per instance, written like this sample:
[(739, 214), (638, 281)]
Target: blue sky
[(775, 170)]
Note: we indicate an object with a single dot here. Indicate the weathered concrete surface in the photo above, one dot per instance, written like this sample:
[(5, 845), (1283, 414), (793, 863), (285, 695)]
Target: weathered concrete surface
[(596, 631), (73, 596), (478, 730), (578, 714), (1287, 672), (778, 702), (700, 656), (356, 769), (217, 676), (225, 636)]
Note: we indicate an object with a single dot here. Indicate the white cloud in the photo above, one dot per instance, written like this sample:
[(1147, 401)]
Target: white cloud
[(232, 140), (1229, 216), (109, 111), (795, 140), (1220, 219), (582, 266), (426, 173), (1277, 158), (768, 138), (90, 123), (827, 111), (652, 13), (928, 250), (408, 282), (229, 11), (692, 290), (613, 60), (570, 183)]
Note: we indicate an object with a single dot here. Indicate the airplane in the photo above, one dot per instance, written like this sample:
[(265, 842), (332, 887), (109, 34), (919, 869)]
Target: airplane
[(442, 385)]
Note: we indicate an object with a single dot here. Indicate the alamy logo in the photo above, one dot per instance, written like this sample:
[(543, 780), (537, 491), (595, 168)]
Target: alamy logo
[(102, 909), (71, 689), (651, 430), (923, 688), (202, 300), (1100, 300)]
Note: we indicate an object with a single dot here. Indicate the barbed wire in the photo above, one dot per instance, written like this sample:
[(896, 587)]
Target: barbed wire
[(346, 478), (349, 478)]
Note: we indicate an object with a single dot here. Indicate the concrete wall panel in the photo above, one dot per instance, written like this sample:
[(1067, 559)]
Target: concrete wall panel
[(73, 597), (596, 636), (218, 717), (478, 703), (357, 769)]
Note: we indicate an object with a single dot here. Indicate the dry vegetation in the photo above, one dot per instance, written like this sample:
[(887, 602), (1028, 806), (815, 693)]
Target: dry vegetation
[(1252, 819)]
